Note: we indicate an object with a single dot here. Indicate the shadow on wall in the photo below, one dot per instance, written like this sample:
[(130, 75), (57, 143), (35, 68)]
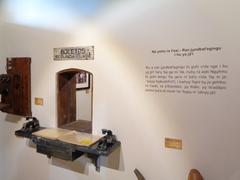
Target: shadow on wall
[(13, 118), (114, 160), (81, 165)]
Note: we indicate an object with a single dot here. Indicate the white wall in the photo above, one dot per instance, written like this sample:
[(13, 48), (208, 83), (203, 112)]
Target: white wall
[(124, 35), (84, 103)]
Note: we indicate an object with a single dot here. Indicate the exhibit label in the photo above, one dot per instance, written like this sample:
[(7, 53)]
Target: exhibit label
[(186, 52), (186, 79), (74, 53), (173, 143)]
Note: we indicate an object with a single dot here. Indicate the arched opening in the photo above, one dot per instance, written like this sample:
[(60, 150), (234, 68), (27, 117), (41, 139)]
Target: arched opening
[(74, 100)]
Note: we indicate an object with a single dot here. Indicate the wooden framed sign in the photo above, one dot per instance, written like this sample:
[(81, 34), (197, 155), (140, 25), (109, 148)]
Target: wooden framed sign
[(73, 53)]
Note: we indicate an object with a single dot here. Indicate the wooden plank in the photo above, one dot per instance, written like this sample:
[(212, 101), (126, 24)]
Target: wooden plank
[(68, 136), (51, 133), (79, 138)]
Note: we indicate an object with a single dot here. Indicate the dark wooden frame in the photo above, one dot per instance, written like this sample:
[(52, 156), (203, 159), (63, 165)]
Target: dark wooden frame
[(18, 99), (66, 101)]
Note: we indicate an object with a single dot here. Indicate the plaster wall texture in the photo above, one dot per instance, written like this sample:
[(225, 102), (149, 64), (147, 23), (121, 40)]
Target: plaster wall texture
[(124, 35)]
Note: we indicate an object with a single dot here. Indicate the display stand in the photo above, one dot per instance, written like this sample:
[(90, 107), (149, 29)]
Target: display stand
[(53, 147)]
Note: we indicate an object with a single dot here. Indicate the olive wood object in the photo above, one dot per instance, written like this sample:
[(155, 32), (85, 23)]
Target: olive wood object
[(194, 174)]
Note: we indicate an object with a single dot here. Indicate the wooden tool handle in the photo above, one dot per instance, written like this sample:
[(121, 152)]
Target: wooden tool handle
[(139, 175)]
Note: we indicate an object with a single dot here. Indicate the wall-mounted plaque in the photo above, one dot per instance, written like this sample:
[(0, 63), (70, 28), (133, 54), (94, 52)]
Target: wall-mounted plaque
[(173, 143), (38, 101), (73, 53)]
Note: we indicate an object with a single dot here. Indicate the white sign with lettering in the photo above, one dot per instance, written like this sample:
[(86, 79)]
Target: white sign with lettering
[(74, 53)]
